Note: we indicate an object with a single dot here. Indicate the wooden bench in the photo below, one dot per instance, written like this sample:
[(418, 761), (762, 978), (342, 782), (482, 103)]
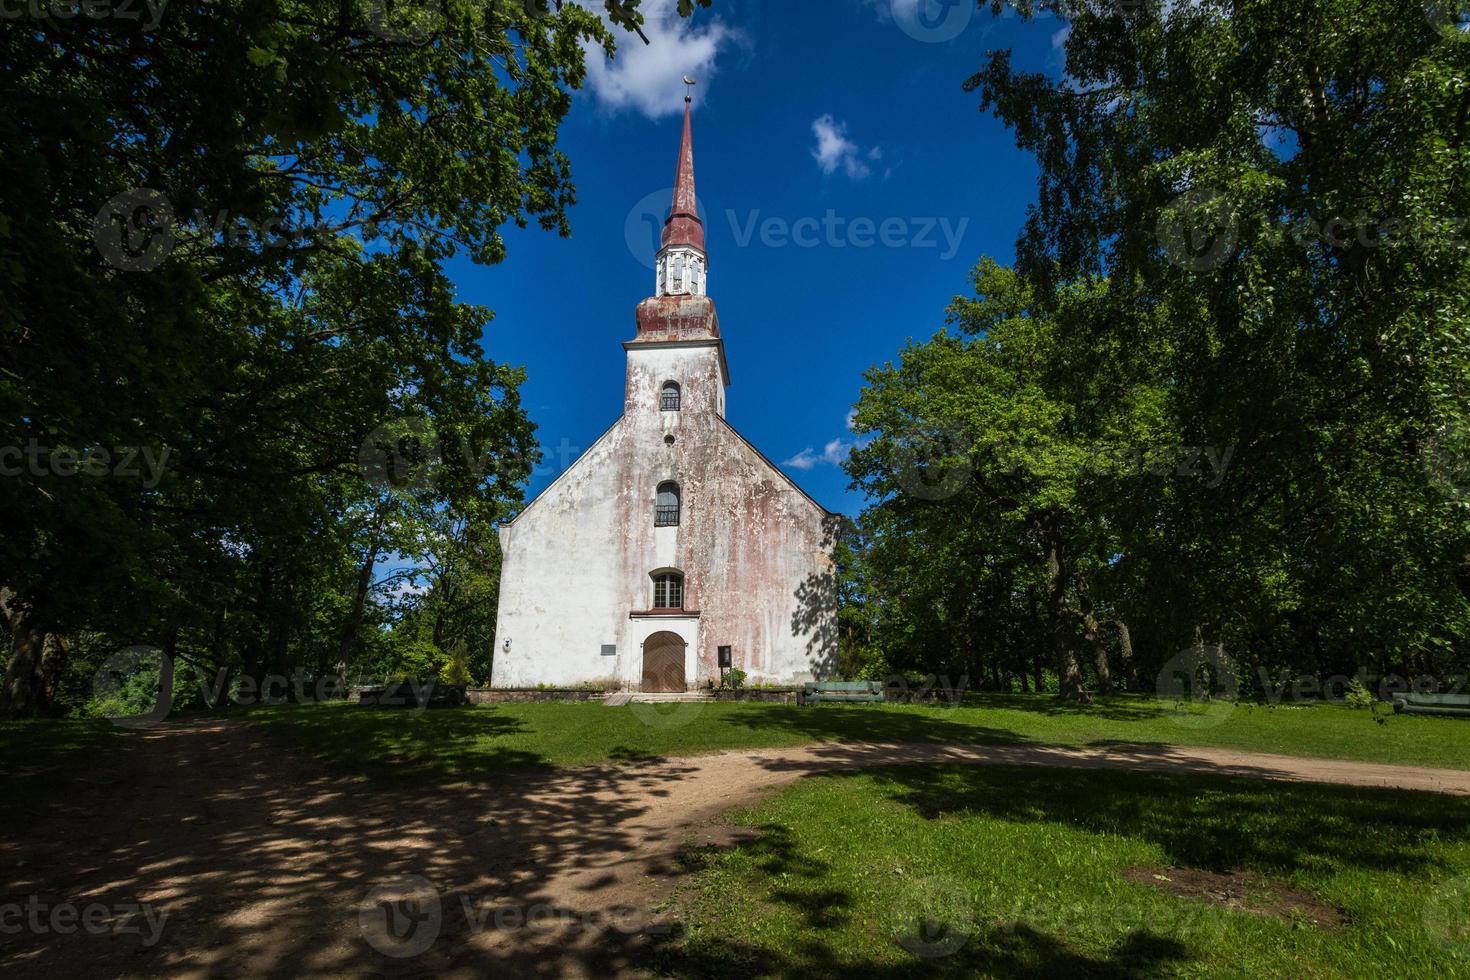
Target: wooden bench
[(841, 692), (1433, 704), (403, 694)]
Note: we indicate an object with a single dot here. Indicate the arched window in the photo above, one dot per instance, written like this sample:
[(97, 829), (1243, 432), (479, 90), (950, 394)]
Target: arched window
[(669, 397), (666, 513), (668, 590)]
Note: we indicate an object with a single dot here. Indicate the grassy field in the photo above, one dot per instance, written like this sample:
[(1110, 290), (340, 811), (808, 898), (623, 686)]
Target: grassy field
[(490, 738), (1019, 872)]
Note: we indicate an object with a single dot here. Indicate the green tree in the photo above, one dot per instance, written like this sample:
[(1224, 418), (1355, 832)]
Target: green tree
[(249, 290)]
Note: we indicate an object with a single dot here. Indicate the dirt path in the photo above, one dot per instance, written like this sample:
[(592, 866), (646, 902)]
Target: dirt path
[(268, 865)]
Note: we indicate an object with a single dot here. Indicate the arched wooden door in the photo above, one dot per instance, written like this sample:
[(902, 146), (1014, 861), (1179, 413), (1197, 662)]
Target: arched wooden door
[(663, 663)]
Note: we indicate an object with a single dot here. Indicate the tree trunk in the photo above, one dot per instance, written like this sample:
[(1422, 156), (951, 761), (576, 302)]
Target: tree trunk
[(348, 639), (1069, 674), (55, 653), (1125, 651), (1100, 658), (219, 684), (18, 697), (253, 669), (27, 643), (1092, 630)]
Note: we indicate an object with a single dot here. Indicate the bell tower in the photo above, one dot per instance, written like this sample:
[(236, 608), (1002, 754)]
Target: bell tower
[(682, 261), (678, 330)]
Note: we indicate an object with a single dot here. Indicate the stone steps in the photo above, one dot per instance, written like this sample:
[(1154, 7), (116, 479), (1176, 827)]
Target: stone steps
[(668, 698)]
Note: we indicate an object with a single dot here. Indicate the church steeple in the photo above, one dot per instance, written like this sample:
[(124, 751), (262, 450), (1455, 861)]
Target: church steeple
[(679, 320), (682, 262)]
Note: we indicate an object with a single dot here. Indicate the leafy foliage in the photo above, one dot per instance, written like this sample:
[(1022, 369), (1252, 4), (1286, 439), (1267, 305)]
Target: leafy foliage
[(221, 249), (1220, 397)]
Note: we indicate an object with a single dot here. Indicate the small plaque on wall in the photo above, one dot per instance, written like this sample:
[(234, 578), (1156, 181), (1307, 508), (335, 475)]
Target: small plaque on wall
[(609, 650)]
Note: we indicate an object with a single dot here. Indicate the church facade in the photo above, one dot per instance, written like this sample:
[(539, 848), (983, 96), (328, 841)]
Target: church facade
[(672, 536)]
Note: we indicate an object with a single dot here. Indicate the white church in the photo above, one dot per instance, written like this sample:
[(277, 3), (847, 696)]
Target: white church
[(672, 537)]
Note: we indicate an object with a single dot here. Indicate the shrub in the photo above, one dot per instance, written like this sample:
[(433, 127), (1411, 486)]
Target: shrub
[(1359, 696)]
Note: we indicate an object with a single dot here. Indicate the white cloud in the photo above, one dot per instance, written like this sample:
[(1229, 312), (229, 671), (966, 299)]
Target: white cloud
[(834, 151), (833, 453), (649, 78)]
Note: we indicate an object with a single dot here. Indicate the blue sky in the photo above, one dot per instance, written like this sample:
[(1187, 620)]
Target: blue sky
[(848, 185)]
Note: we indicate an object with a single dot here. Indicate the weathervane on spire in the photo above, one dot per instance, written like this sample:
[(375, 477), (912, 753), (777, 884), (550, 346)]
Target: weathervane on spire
[(689, 92)]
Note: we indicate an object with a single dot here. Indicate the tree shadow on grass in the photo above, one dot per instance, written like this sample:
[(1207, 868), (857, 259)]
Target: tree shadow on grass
[(1005, 951), (1009, 953), (861, 723), (1120, 707), (1212, 822), (407, 744)]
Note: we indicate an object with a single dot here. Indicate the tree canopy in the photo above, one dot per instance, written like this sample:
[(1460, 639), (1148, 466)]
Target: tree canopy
[(235, 381), (1222, 394)]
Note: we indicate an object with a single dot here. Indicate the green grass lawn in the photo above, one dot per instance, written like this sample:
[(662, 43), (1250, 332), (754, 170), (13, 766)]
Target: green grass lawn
[(1017, 872), (486, 739), (33, 745), (36, 756)]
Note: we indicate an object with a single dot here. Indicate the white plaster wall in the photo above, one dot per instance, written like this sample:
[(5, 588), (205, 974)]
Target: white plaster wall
[(752, 547), (560, 599)]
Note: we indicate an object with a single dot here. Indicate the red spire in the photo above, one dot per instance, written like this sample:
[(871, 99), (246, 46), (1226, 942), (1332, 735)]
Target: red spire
[(684, 226)]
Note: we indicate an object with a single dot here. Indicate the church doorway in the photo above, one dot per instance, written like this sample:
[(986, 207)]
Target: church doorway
[(663, 664)]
